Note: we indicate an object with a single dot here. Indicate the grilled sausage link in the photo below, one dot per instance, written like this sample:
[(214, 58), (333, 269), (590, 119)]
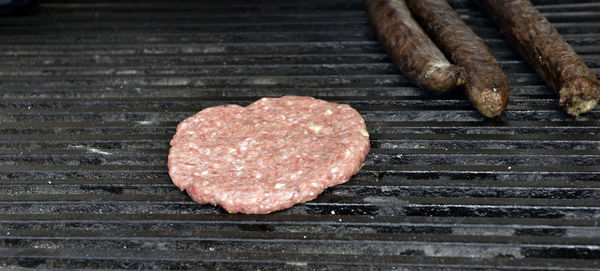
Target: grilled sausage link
[(415, 54), (541, 45), (485, 83)]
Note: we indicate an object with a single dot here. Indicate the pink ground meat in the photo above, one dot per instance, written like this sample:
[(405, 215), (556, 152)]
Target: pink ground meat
[(268, 156)]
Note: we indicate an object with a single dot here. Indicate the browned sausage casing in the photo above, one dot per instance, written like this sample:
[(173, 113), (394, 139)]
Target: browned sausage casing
[(485, 83), (416, 55), (544, 48)]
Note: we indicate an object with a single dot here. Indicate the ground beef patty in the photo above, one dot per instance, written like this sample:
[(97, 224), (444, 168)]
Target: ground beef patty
[(269, 155)]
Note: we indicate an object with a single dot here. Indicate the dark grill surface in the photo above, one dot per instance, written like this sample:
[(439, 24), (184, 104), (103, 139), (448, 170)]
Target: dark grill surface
[(91, 92)]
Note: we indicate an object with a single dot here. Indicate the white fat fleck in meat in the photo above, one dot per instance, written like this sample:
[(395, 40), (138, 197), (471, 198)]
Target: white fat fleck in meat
[(335, 170), (244, 145), (315, 128), (279, 185), (287, 195), (328, 112)]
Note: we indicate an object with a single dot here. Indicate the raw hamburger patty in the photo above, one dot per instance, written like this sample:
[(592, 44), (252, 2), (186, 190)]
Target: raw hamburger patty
[(268, 156)]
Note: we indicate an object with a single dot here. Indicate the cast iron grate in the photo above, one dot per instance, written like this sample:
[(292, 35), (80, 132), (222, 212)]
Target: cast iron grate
[(91, 92)]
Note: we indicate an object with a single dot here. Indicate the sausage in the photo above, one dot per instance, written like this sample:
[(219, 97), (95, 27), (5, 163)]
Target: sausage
[(415, 54), (485, 84), (542, 46)]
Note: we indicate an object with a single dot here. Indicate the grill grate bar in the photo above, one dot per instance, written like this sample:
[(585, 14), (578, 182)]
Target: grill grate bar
[(189, 259)]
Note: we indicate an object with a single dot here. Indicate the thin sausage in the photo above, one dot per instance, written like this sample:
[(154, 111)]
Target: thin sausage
[(543, 47), (415, 54), (485, 83)]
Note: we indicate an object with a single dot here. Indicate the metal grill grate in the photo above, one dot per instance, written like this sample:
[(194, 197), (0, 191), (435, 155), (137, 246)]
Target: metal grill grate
[(91, 92)]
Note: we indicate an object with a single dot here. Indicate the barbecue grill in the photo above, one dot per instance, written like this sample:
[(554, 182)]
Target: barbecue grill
[(91, 92)]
